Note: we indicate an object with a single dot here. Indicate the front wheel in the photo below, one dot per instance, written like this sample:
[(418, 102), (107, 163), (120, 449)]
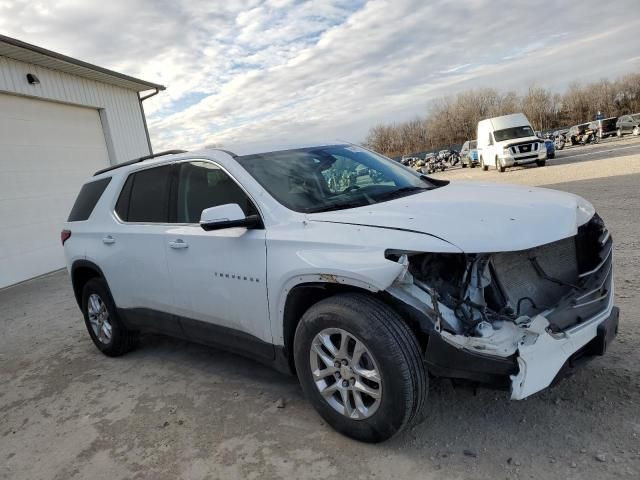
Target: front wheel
[(541, 163), (501, 168), (360, 366), (484, 167), (636, 131), (619, 133)]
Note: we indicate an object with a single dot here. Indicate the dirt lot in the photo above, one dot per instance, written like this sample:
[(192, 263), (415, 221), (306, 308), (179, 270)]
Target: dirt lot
[(176, 410)]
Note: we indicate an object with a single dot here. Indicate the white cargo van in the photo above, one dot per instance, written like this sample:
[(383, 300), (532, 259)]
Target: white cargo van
[(508, 141)]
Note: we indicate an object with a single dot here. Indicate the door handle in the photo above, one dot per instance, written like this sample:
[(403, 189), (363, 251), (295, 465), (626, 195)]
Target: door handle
[(178, 244), (108, 240)]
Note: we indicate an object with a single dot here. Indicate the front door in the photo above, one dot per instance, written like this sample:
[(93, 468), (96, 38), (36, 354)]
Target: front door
[(219, 277)]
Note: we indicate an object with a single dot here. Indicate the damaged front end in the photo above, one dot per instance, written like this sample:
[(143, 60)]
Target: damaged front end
[(513, 319)]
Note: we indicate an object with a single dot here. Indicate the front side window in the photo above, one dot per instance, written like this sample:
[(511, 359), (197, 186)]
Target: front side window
[(513, 133), (473, 144), (203, 185), (331, 177), (145, 196)]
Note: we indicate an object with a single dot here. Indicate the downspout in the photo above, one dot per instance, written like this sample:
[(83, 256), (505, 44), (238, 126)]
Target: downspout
[(144, 118)]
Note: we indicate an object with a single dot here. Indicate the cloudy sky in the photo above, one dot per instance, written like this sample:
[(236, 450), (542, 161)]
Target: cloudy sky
[(288, 71)]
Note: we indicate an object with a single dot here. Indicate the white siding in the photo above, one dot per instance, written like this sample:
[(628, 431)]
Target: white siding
[(124, 128)]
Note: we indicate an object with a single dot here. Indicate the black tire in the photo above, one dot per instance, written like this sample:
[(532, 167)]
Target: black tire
[(541, 163), (551, 156), (122, 340), (499, 166), (396, 352), (464, 165), (484, 167)]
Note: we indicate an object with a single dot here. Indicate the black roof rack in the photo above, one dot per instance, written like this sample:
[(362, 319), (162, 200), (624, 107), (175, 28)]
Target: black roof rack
[(137, 160)]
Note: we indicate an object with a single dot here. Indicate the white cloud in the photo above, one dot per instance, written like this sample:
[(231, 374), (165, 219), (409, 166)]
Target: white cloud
[(288, 70)]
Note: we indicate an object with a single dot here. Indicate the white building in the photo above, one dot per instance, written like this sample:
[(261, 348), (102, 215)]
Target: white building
[(61, 119)]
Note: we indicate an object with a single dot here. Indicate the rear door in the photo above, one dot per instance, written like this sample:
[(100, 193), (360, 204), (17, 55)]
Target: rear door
[(219, 277), (132, 250)]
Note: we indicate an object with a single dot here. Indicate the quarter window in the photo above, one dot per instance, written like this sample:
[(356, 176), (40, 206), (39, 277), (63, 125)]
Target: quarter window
[(87, 199), (203, 185)]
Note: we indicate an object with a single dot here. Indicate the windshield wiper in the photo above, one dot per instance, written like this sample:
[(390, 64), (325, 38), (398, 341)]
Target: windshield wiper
[(336, 206), (401, 192)]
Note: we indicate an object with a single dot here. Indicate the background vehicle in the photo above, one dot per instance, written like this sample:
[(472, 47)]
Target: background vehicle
[(469, 154), (575, 133), (560, 138), (508, 141), (590, 134), (435, 163), (259, 252), (628, 124), (607, 127), (408, 160), (551, 148)]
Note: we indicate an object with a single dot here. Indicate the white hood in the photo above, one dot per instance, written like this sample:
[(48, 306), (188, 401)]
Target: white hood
[(477, 217)]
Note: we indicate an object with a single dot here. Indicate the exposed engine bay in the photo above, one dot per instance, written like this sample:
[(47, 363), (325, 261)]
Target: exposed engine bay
[(497, 304)]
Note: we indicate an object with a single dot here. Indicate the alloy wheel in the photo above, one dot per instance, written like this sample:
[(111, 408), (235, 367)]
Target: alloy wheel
[(345, 373), (99, 318)]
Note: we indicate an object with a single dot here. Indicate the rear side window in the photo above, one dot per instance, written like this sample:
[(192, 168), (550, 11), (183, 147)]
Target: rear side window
[(89, 195), (145, 196)]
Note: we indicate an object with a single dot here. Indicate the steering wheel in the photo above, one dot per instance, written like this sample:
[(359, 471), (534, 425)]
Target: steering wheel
[(351, 187)]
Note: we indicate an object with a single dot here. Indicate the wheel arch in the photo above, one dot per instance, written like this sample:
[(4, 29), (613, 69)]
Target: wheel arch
[(303, 296), (81, 272)]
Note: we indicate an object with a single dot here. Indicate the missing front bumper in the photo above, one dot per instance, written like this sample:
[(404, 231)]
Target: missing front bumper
[(534, 367)]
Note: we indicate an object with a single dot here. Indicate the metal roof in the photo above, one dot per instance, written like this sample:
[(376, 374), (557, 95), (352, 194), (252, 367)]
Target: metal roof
[(25, 52)]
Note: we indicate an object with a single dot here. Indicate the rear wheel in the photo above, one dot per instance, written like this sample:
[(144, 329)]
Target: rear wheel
[(360, 366), (619, 132), (484, 167), (103, 323), (636, 131)]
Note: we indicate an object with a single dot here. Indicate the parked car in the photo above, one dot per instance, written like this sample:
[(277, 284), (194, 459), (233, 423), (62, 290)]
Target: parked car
[(360, 291), (607, 127), (508, 141), (443, 154), (628, 124), (409, 160), (469, 154), (575, 133)]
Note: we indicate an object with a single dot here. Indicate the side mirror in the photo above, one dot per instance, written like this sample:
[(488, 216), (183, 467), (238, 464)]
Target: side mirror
[(227, 216)]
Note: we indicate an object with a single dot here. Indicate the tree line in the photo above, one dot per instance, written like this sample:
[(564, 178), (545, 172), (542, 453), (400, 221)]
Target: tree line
[(453, 120)]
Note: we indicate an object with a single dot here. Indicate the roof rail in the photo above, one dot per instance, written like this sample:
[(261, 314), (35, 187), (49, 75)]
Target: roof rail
[(140, 159)]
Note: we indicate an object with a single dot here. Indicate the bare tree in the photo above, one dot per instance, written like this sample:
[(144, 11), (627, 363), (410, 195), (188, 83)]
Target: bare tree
[(453, 120)]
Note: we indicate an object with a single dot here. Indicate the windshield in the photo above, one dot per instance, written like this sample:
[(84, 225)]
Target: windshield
[(332, 177), (514, 132), (473, 144)]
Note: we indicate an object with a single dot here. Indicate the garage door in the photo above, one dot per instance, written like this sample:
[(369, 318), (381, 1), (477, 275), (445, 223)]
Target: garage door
[(46, 151)]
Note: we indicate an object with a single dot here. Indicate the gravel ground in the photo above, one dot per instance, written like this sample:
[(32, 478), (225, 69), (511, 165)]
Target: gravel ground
[(176, 410)]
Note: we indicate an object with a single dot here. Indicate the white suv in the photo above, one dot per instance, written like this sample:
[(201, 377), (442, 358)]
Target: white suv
[(356, 273)]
